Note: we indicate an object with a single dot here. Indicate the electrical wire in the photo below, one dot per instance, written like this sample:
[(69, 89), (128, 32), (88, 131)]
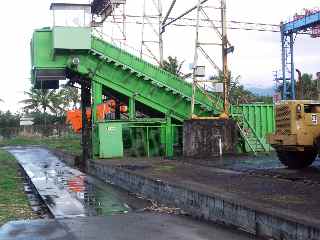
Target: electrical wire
[(204, 26), (266, 27)]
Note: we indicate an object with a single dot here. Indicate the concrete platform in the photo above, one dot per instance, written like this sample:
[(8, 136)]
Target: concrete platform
[(143, 226), (263, 205)]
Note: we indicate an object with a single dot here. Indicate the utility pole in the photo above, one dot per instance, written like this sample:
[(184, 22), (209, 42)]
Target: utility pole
[(225, 72), (195, 61), (199, 71), (160, 33), (156, 28)]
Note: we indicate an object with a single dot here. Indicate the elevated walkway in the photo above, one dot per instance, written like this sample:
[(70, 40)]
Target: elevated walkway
[(302, 23)]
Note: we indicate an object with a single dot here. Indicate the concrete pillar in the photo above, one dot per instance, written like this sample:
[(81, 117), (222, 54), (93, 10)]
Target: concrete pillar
[(206, 138)]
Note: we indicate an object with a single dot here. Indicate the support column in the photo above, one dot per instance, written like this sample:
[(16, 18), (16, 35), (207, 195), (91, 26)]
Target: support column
[(132, 108), (97, 99), (293, 81), (86, 123), (169, 137), (283, 58)]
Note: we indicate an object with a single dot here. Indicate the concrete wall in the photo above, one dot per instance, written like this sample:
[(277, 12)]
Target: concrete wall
[(266, 223), (201, 138), (212, 208)]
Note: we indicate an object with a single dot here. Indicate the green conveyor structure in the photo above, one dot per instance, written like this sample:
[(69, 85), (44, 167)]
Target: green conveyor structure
[(73, 52), (118, 70)]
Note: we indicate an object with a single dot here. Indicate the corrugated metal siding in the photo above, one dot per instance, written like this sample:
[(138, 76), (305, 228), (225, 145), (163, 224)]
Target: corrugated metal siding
[(260, 116)]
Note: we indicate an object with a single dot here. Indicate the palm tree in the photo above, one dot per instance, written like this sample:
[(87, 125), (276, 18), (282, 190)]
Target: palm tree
[(70, 95), (172, 65), (42, 100)]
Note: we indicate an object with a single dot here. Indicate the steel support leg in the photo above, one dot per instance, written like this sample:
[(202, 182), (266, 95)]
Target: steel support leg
[(86, 123), (132, 108), (284, 85), (97, 99), (169, 138), (293, 81)]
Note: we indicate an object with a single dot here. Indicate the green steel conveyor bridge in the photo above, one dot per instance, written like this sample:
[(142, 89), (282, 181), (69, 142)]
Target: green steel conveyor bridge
[(68, 52)]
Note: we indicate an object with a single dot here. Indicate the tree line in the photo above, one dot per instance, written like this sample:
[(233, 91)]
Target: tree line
[(45, 106), (309, 88), (238, 94), (51, 101)]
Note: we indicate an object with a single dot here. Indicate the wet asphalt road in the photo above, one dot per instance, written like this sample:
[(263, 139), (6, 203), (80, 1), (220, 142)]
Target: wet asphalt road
[(135, 226), (65, 191)]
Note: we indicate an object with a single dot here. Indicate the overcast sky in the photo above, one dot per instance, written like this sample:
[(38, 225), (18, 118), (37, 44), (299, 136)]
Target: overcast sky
[(256, 56)]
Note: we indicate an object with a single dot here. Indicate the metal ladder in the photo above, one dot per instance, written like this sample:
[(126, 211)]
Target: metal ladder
[(249, 134)]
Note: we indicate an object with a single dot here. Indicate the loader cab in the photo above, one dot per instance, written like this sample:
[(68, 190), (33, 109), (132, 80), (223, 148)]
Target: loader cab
[(297, 136)]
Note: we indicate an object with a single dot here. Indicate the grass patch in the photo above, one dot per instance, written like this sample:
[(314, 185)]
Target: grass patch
[(166, 168), (14, 204), (69, 144)]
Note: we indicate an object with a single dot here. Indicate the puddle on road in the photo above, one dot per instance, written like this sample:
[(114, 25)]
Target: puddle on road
[(101, 199), (68, 192)]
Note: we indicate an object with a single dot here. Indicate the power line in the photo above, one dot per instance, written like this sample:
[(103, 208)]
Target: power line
[(241, 27), (204, 23)]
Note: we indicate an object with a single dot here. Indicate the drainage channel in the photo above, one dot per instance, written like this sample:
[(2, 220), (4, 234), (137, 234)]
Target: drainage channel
[(69, 193), (36, 203)]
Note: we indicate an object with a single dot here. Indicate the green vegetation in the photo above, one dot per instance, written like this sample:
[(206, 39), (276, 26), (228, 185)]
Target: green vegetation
[(172, 65), (238, 94), (310, 87), (13, 201), (53, 101), (166, 168), (9, 120), (71, 97), (69, 144), (49, 107), (42, 100)]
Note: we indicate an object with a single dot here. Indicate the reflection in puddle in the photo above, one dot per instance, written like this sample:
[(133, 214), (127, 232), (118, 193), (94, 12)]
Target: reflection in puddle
[(99, 200), (68, 192)]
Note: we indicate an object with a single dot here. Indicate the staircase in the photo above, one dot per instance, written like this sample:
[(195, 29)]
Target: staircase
[(249, 135)]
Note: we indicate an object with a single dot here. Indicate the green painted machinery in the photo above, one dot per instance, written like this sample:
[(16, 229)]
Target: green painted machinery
[(107, 65), (68, 52)]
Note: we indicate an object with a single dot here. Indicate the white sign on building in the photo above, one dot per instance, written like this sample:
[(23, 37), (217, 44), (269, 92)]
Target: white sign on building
[(217, 87), (26, 121)]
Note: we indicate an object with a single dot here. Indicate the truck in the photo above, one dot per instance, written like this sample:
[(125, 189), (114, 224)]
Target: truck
[(297, 136)]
